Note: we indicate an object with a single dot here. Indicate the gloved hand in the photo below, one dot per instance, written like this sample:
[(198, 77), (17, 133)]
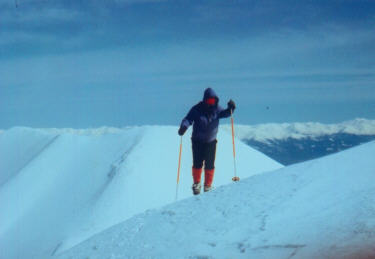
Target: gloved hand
[(231, 105), (182, 130)]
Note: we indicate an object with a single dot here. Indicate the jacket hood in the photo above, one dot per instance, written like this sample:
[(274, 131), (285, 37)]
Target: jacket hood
[(210, 93)]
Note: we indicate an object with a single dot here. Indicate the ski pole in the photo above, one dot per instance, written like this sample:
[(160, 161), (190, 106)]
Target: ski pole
[(178, 170), (235, 178)]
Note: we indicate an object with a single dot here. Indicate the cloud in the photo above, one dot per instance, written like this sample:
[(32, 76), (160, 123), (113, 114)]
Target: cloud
[(43, 15), (288, 58), (272, 131), (21, 36), (317, 53), (139, 1)]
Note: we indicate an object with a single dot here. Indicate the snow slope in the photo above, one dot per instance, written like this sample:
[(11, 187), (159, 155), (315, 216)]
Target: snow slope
[(323, 208), (59, 187)]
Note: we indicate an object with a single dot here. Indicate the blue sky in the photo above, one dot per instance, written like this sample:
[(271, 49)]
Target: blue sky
[(122, 62)]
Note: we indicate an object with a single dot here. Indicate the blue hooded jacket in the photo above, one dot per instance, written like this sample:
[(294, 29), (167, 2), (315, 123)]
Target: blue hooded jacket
[(205, 118)]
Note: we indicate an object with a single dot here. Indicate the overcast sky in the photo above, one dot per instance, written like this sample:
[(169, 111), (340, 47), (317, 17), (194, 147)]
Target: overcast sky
[(70, 63)]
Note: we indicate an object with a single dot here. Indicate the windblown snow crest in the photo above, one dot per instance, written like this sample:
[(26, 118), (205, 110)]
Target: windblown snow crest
[(62, 186)]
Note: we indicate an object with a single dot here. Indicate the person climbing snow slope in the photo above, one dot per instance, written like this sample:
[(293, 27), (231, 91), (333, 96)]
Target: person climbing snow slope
[(205, 117)]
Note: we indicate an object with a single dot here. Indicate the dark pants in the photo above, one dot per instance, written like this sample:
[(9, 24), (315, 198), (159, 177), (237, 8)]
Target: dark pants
[(204, 152)]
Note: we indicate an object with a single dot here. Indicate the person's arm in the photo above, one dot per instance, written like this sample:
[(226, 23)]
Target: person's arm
[(226, 113), (187, 121)]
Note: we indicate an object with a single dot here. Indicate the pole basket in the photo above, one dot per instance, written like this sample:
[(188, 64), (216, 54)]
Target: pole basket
[(235, 179)]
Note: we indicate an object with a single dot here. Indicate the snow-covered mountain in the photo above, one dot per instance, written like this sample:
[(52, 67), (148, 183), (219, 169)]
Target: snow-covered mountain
[(323, 208), (290, 143), (59, 187)]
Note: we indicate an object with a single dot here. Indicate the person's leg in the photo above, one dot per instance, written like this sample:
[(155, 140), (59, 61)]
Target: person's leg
[(197, 166), (209, 169), (197, 161)]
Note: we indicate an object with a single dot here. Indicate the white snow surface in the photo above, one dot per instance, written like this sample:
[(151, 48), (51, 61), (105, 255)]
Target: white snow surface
[(322, 208), (59, 187), (299, 130)]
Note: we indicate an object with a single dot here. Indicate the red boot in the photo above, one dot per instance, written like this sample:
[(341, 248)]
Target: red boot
[(208, 179), (197, 172)]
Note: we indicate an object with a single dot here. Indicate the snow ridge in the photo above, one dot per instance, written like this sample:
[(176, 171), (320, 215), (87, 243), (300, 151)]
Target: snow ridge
[(63, 185)]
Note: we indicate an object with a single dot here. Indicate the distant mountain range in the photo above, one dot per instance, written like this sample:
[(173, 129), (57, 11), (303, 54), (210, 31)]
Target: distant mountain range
[(290, 151), (290, 143)]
